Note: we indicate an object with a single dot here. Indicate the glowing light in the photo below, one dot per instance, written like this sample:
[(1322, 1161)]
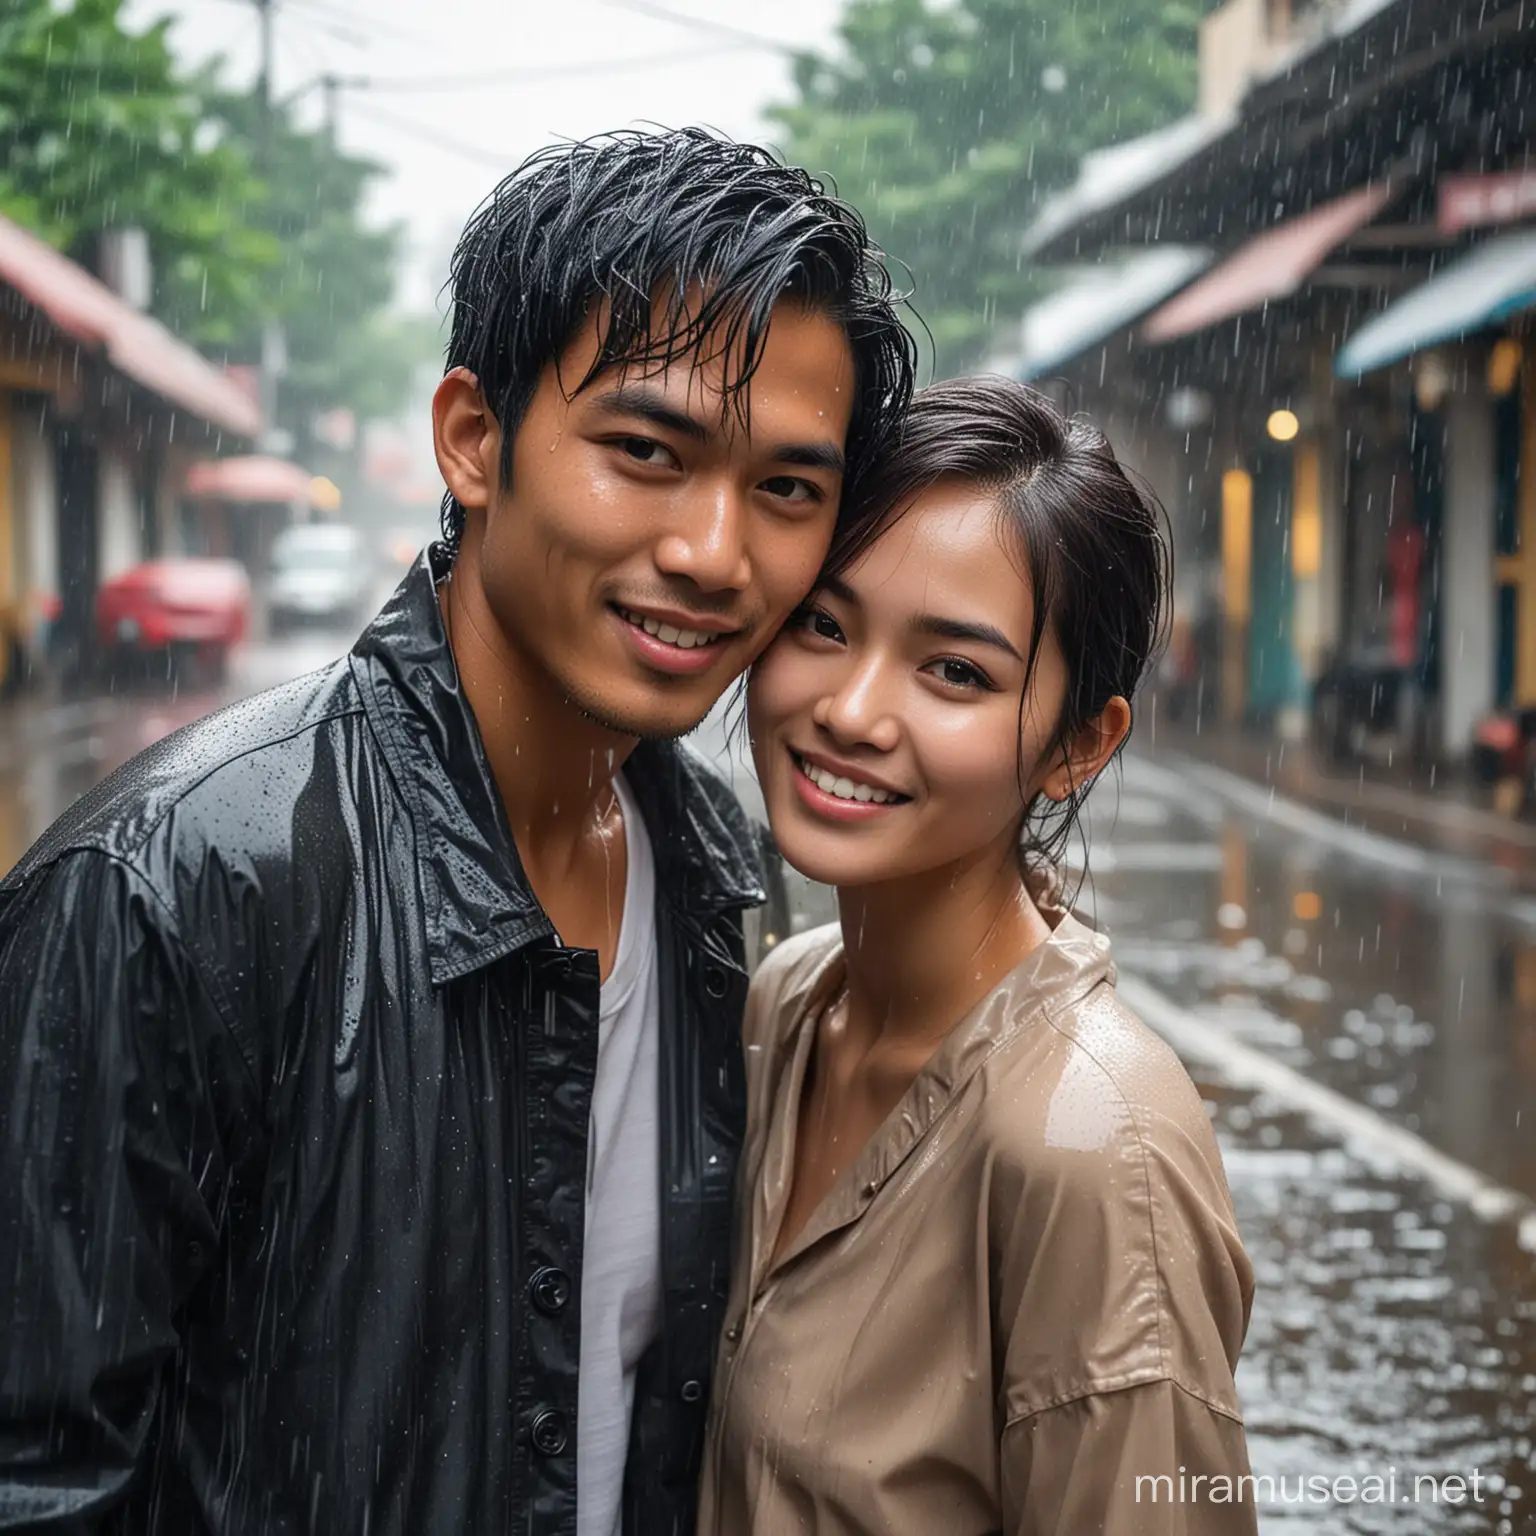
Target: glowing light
[(1282, 425), (1503, 367), (1308, 906), (324, 494)]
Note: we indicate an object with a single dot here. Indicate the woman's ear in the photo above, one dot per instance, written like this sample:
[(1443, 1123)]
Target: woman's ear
[(466, 439), (1088, 751)]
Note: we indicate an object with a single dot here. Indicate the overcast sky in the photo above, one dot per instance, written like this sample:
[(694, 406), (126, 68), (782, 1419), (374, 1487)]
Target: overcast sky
[(547, 62)]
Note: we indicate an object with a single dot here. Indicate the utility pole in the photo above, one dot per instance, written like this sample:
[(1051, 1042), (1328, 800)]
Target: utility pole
[(274, 345), (264, 10)]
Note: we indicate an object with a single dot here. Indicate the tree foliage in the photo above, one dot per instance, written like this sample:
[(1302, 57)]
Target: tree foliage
[(97, 131), (947, 123), (248, 220)]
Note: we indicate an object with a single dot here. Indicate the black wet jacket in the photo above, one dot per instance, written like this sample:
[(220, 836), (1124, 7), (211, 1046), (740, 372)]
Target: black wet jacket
[(294, 1095)]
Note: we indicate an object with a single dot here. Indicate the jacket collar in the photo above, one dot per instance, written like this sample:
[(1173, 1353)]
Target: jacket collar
[(478, 902)]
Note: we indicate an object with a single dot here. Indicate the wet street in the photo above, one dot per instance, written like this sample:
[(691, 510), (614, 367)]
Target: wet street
[(1361, 1021)]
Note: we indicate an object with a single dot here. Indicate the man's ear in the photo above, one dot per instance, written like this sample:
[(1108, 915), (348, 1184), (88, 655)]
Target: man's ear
[(466, 439)]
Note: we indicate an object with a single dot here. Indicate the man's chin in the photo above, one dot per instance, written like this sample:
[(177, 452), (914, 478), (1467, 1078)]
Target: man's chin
[(644, 724)]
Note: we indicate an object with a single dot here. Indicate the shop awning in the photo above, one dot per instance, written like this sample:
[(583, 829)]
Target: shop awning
[(250, 478), (86, 310), (1477, 290), (1099, 303), (1106, 177), (1268, 267)]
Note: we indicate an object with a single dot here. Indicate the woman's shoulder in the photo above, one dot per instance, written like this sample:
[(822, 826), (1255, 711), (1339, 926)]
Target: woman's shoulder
[(1103, 1082), (1110, 1204)]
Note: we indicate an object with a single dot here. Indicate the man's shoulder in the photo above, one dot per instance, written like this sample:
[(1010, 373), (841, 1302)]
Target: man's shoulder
[(714, 789), (221, 781)]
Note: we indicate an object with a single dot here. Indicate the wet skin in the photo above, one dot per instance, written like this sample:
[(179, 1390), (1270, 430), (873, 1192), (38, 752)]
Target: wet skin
[(642, 496), (909, 674)]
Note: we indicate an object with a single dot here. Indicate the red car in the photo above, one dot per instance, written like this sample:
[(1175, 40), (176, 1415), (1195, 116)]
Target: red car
[(185, 610)]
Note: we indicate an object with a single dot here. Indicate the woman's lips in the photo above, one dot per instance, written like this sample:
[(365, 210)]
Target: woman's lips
[(833, 807)]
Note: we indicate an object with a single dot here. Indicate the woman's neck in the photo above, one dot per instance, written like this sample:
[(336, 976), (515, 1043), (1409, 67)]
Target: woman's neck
[(922, 952)]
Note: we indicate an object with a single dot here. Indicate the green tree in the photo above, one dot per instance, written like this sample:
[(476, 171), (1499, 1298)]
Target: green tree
[(334, 274), (97, 130), (948, 124), (246, 221)]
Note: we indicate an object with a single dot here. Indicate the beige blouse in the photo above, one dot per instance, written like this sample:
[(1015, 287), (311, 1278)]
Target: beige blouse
[(1026, 1293)]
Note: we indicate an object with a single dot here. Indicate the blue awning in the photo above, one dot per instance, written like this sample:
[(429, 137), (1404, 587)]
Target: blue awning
[(1101, 302), (1475, 291)]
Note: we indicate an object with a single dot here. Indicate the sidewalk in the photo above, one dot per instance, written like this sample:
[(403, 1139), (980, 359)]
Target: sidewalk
[(1436, 810)]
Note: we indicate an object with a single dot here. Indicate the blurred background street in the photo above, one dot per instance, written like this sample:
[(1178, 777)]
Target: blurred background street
[(1283, 250)]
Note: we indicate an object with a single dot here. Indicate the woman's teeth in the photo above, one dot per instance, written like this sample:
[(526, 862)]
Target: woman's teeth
[(844, 788), (683, 639)]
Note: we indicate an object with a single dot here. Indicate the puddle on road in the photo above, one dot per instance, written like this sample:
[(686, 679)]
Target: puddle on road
[(1390, 1329)]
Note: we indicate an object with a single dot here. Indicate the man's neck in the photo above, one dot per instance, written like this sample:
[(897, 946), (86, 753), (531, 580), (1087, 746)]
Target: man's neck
[(553, 766)]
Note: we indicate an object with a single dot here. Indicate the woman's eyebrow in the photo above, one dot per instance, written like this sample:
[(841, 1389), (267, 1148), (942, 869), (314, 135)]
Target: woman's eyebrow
[(962, 629), (931, 623)]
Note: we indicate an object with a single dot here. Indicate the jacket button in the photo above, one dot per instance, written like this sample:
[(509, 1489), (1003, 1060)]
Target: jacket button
[(551, 1290), (733, 1333), (714, 981), (692, 1391), (549, 1433)]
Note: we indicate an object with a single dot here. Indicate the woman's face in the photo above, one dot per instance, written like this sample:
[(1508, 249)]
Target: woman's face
[(885, 717)]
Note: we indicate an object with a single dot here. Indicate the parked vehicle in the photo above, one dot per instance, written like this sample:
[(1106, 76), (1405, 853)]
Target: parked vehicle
[(186, 614), (321, 574), (1360, 697), (1504, 754)]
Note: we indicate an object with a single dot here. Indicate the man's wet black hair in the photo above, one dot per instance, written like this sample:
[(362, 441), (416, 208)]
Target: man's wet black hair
[(688, 240), (1095, 547)]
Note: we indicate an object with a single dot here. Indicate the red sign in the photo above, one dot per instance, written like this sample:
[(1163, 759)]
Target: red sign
[(1498, 198)]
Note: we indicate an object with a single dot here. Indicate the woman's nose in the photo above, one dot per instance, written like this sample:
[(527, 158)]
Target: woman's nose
[(860, 711)]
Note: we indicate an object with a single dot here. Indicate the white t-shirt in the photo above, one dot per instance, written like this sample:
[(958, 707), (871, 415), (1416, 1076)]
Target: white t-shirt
[(621, 1267)]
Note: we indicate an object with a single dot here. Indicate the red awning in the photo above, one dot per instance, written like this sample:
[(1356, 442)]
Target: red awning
[(84, 308), (1269, 266), (251, 478)]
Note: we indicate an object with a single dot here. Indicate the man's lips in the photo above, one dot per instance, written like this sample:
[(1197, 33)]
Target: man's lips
[(677, 649)]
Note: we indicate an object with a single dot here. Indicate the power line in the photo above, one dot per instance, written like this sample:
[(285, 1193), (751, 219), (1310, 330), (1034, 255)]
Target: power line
[(700, 24), (425, 83), (366, 23), (431, 136)]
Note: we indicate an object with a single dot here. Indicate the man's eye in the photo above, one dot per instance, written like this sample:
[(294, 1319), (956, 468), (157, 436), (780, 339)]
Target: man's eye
[(792, 488), (646, 450)]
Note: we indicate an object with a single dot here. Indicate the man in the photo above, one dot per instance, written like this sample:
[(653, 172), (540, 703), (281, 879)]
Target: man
[(370, 1049)]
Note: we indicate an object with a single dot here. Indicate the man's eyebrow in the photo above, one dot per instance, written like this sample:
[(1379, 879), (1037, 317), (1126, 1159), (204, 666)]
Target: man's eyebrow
[(651, 405), (811, 455)]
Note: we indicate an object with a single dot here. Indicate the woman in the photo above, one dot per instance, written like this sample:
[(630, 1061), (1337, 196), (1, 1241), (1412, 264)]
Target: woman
[(987, 1274)]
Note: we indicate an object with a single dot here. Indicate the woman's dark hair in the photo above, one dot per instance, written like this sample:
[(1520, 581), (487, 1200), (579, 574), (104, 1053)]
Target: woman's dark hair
[(1095, 547), (713, 232)]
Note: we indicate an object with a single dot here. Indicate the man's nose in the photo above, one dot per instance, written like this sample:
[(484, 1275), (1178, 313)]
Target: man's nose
[(708, 541)]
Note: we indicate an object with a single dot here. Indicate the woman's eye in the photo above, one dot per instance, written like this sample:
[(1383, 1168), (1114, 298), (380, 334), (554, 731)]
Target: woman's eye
[(816, 621), (962, 674), (646, 450), (792, 488)]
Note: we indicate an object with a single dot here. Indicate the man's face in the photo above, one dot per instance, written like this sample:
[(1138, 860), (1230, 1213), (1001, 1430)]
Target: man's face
[(654, 537)]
